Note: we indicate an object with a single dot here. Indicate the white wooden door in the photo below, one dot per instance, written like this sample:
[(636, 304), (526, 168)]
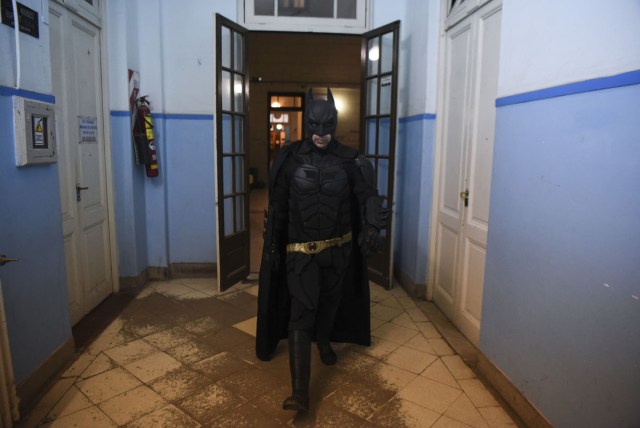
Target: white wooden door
[(77, 86), (470, 86)]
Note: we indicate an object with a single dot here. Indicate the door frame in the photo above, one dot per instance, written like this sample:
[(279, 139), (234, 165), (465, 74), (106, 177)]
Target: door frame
[(106, 135), (447, 22)]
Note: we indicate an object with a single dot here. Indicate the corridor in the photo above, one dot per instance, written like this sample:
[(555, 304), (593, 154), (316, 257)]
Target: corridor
[(178, 354)]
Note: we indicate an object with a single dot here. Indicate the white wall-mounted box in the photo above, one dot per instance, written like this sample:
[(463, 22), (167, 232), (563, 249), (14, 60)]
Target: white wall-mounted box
[(35, 127)]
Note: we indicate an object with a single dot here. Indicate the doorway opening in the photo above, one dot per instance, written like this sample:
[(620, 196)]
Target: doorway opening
[(285, 121)]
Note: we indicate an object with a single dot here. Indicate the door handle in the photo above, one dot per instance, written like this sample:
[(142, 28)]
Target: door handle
[(79, 188), (465, 195), (4, 260)]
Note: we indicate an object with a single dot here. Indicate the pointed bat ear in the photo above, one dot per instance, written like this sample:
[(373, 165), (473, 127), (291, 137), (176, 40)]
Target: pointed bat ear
[(330, 98), (309, 95)]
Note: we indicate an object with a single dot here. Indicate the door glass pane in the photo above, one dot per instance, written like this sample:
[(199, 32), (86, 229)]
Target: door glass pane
[(309, 8), (347, 9), (240, 185), (372, 96), (371, 136), (238, 55), (227, 171), (385, 95), (239, 143), (240, 226), (386, 54), (228, 216), (373, 55), (263, 7), (383, 176), (225, 88), (226, 133), (225, 44), (238, 91), (383, 139)]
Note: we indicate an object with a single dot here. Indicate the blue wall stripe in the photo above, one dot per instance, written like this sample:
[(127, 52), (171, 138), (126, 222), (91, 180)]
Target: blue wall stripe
[(609, 82), (123, 113), (8, 92), (417, 117)]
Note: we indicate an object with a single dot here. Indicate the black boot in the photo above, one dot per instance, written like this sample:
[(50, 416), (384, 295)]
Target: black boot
[(327, 354), (300, 365)]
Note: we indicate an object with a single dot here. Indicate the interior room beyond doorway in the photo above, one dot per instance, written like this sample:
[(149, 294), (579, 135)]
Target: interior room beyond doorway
[(293, 63)]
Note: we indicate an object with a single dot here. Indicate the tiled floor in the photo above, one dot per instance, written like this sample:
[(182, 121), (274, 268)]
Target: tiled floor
[(181, 355)]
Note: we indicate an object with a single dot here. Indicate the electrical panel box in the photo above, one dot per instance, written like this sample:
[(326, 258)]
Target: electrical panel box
[(35, 126)]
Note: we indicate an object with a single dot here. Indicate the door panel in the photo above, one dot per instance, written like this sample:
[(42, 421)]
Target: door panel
[(232, 191), (379, 90), (76, 78), (471, 77)]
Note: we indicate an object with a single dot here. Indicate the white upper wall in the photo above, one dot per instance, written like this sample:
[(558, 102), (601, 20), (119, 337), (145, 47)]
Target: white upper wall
[(547, 43), (35, 59)]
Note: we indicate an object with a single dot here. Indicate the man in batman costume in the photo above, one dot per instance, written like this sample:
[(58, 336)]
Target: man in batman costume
[(313, 276)]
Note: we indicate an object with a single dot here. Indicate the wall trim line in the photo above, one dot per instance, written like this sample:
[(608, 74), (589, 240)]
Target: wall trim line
[(7, 91), (180, 116), (423, 116), (609, 82)]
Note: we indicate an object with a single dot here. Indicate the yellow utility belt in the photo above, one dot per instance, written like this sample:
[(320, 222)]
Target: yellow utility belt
[(314, 247)]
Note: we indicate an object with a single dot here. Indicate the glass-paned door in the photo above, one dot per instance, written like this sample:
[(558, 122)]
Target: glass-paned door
[(378, 128), (232, 193)]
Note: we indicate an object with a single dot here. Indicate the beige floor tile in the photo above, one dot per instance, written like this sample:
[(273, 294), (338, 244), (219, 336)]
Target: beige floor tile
[(379, 348), (172, 289), (114, 335), (131, 351), (404, 320), (464, 411), (167, 417), (419, 343), (398, 291), (179, 384), (169, 338), (219, 366), (202, 326), (377, 293), (457, 367), (375, 323), (44, 406), (394, 333), (407, 302), (192, 352), (253, 290), (391, 302), (193, 295), (245, 416), (416, 314), (440, 373), (354, 362), (430, 394), (107, 385), (90, 417), (100, 364), (132, 404), (447, 422), (73, 401), (404, 413), (384, 313), (428, 330), (478, 393), (441, 347), (79, 365), (410, 359), (360, 399), (209, 403), (208, 286), (152, 367), (496, 417), (393, 377), (249, 326)]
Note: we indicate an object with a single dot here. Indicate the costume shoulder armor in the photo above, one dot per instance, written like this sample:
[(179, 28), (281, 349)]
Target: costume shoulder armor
[(366, 169), (345, 151)]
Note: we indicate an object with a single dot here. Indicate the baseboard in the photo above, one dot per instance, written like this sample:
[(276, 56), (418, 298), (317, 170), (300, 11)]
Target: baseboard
[(38, 382), (193, 270), (516, 404), (413, 289)]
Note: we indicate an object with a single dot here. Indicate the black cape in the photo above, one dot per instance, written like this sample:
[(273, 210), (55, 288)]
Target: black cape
[(352, 323)]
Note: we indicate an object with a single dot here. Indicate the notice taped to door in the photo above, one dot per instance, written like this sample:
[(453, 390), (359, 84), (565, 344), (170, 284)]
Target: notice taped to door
[(88, 129)]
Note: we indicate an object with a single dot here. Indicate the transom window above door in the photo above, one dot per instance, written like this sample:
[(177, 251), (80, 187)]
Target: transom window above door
[(332, 16)]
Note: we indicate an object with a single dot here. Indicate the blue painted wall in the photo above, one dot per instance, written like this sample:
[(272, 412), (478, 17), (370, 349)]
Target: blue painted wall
[(414, 191), (34, 288), (561, 309)]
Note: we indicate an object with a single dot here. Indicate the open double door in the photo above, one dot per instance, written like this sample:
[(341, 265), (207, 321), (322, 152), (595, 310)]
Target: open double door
[(378, 117)]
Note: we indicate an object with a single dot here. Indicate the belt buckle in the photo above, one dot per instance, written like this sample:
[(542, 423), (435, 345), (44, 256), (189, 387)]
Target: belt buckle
[(312, 247)]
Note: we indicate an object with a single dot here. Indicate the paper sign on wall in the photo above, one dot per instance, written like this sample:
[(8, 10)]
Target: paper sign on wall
[(88, 129)]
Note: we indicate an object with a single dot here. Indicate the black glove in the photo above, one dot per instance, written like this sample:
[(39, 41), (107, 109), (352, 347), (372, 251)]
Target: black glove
[(369, 240)]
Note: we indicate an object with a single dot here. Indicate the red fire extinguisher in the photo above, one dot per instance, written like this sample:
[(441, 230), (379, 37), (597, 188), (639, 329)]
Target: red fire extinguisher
[(145, 141)]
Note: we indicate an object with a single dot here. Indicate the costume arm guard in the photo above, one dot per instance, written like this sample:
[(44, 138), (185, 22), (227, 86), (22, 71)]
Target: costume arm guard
[(366, 169)]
